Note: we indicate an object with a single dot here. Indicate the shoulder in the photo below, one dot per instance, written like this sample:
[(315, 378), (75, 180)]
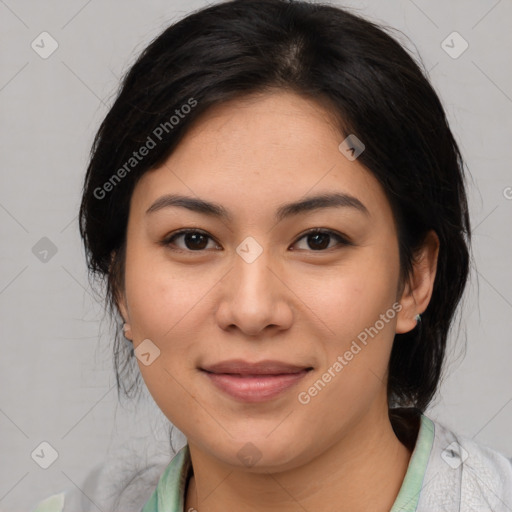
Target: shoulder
[(125, 485), (464, 473)]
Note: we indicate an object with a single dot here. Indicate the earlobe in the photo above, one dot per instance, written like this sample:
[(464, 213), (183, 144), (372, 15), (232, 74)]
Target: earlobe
[(120, 301), (127, 331), (123, 310), (418, 290), (406, 320)]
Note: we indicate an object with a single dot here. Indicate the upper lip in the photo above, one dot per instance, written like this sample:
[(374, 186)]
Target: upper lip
[(266, 367)]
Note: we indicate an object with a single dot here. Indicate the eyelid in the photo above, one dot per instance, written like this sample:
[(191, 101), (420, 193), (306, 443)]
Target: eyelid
[(342, 239)]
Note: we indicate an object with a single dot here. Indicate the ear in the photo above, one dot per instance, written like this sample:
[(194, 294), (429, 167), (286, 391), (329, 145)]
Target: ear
[(120, 300), (123, 310), (418, 290)]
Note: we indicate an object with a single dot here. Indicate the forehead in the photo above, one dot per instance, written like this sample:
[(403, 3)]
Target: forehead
[(262, 123), (259, 151)]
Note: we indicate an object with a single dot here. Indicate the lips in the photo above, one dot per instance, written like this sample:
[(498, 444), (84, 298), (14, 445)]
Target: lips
[(266, 367), (254, 382)]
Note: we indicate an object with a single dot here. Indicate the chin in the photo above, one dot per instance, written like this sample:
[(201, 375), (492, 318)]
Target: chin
[(260, 454)]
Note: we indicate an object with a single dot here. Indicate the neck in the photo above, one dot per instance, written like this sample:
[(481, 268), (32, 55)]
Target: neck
[(363, 471)]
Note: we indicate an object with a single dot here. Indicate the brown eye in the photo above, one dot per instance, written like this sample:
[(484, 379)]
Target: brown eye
[(319, 240), (193, 240)]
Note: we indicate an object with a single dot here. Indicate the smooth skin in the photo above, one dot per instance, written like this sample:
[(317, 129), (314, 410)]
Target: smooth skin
[(303, 301)]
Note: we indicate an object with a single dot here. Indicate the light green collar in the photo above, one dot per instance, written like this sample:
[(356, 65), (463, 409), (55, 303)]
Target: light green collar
[(169, 495), (409, 494)]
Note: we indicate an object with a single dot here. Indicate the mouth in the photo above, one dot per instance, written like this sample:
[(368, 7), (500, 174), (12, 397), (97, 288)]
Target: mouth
[(254, 382), (266, 367)]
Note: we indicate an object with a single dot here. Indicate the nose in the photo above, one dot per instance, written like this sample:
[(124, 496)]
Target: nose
[(254, 297)]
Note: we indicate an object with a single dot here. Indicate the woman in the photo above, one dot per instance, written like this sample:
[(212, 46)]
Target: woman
[(277, 205)]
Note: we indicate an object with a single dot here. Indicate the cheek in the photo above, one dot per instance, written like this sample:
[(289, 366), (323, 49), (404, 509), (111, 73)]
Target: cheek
[(349, 297), (169, 385), (162, 297), (164, 307), (359, 309), (356, 303)]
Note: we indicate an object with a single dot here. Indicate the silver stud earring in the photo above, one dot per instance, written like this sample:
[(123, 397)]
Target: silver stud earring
[(418, 318)]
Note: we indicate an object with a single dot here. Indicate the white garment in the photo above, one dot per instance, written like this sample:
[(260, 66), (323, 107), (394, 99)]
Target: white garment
[(461, 476), (464, 476)]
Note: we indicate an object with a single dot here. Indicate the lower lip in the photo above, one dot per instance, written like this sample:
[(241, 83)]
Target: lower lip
[(257, 388)]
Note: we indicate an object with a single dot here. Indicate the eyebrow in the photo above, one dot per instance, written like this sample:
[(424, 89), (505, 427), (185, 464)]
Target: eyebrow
[(317, 202)]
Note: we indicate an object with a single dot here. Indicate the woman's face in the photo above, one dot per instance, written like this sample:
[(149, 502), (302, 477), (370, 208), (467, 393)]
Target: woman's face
[(254, 286)]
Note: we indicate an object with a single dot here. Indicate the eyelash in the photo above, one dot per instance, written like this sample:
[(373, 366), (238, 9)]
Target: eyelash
[(343, 241)]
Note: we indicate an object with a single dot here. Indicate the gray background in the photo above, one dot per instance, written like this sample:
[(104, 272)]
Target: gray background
[(57, 383)]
